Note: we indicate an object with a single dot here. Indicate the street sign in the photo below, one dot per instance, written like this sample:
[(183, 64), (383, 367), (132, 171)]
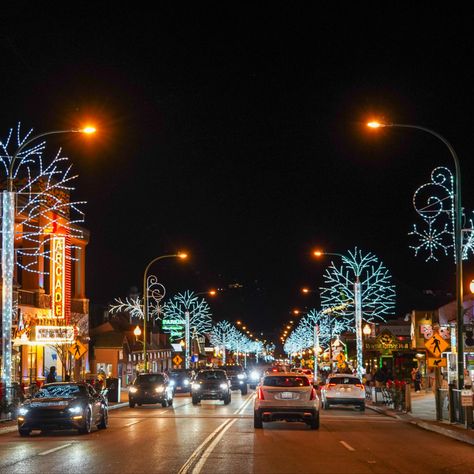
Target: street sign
[(436, 345), (177, 359), (78, 349), (467, 398), (340, 357), (437, 362)]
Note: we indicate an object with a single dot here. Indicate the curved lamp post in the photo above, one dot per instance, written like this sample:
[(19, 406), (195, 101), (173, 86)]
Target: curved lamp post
[(457, 238), (8, 256), (145, 299)]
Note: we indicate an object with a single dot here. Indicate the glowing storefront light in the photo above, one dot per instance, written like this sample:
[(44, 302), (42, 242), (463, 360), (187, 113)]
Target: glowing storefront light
[(54, 334), (57, 275)]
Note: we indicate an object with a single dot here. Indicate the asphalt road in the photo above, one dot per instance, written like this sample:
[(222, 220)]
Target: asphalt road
[(213, 438)]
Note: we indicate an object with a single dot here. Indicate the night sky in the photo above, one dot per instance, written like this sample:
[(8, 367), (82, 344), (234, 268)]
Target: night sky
[(238, 134)]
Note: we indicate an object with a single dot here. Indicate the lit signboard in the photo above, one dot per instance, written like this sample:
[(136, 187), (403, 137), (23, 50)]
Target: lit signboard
[(58, 255), (54, 334), (174, 327)]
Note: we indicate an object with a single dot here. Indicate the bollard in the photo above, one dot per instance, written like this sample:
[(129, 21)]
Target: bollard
[(407, 398)]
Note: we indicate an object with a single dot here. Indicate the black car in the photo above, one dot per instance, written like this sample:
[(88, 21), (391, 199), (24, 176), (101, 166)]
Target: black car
[(150, 388), (63, 406), (181, 379), (211, 384), (237, 377)]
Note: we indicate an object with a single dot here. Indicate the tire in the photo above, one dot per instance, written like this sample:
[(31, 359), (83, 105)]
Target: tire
[(87, 428), (253, 387), (104, 420), (139, 404), (170, 402), (314, 424), (195, 400), (24, 432), (131, 404), (244, 390), (257, 420), (164, 403), (362, 407), (227, 399)]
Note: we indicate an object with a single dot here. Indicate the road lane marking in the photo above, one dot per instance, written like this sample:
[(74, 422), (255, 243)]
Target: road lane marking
[(347, 446), (134, 423), (44, 453), (222, 427)]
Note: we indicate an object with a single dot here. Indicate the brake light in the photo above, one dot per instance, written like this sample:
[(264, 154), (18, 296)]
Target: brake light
[(260, 394), (330, 385), (359, 385), (313, 394)]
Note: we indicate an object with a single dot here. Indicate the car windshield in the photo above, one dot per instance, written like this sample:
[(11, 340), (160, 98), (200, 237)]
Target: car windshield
[(179, 375), (149, 379), (232, 369), (287, 381), (61, 391), (344, 380), (211, 375)]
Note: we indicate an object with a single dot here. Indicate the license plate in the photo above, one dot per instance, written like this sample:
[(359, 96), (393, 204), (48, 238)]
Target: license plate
[(286, 395), (178, 388)]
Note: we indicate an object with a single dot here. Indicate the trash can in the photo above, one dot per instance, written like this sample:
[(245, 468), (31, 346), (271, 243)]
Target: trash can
[(112, 385)]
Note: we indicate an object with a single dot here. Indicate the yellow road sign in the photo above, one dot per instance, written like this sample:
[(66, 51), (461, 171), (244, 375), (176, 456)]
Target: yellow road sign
[(435, 362), (78, 349), (341, 357), (436, 345), (177, 359)]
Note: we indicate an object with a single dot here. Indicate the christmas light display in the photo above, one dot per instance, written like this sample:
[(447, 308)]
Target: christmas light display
[(39, 193), (434, 203), (359, 289), (194, 312), (223, 335)]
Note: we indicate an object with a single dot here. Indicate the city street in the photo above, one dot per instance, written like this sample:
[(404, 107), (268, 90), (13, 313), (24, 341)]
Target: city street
[(215, 438)]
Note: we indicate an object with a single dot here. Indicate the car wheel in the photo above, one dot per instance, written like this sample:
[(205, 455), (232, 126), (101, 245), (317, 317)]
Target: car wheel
[(195, 400), (257, 420), (362, 407), (104, 420), (253, 387), (87, 426), (24, 432), (170, 402), (139, 404), (227, 399), (131, 404), (164, 403), (314, 424), (244, 390)]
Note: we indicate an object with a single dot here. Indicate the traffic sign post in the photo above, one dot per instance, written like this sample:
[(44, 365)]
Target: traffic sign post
[(436, 345), (177, 360), (78, 349)]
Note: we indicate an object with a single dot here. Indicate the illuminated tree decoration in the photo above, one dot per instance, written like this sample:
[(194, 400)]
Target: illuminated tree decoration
[(434, 203), (200, 322), (223, 335)]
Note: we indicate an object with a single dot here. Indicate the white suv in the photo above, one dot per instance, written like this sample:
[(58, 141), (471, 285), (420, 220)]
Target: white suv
[(286, 396), (343, 389)]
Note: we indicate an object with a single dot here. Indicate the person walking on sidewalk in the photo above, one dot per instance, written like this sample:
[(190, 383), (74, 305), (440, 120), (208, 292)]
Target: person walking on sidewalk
[(417, 380)]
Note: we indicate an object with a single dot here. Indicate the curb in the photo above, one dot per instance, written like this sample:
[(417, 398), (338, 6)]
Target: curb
[(426, 425), (115, 406)]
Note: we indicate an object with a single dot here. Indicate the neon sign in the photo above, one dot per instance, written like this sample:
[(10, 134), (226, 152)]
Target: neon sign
[(50, 334), (57, 275)]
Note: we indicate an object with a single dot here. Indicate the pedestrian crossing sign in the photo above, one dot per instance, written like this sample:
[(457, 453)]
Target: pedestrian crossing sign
[(436, 345), (78, 349)]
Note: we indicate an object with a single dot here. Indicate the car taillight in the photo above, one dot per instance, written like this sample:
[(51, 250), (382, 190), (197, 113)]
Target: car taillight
[(313, 394), (359, 385), (331, 385), (260, 394)]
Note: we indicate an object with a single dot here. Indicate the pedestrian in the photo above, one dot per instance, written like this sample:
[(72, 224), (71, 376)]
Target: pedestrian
[(417, 380), (380, 377), (52, 375)]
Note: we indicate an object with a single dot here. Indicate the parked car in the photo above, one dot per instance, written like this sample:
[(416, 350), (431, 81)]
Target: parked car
[(343, 389), (286, 396), (211, 384), (66, 405), (180, 380), (150, 388), (237, 377)]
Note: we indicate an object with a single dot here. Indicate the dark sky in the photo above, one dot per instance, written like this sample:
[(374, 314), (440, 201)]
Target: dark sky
[(237, 134)]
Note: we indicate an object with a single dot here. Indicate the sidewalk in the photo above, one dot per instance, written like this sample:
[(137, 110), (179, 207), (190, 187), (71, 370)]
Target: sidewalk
[(424, 415)]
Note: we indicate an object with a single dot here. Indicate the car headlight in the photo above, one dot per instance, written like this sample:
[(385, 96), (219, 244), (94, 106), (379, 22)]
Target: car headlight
[(186, 382), (223, 385), (159, 389), (254, 375), (22, 411), (241, 376), (76, 410), (195, 386), (133, 389), (172, 383)]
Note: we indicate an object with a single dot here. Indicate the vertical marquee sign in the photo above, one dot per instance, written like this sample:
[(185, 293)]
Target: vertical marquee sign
[(58, 256)]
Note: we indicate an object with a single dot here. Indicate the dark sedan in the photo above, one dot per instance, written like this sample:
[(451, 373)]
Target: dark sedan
[(211, 385), (180, 380), (63, 406), (150, 388)]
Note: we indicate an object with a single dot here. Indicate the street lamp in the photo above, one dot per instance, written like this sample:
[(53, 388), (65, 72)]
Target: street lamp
[(180, 255), (457, 238), (8, 255)]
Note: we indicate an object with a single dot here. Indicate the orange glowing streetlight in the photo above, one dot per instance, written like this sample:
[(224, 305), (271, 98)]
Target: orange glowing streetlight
[(137, 332), (471, 286)]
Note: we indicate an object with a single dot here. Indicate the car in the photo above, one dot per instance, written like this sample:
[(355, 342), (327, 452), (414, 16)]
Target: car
[(211, 384), (63, 405), (237, 377), (180, 380), (343, 389), (286, 396), (254, 378), (150, 388)]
